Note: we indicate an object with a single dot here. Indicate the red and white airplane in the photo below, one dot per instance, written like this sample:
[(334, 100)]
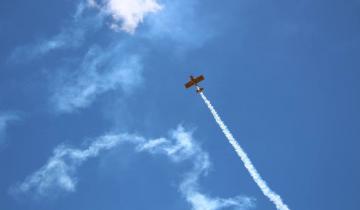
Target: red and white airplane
[(194, 82)]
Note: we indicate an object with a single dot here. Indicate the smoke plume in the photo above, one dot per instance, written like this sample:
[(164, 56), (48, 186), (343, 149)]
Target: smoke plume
[(273, 197)]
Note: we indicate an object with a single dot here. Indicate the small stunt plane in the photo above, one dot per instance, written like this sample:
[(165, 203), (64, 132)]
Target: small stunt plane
[(194, 82)]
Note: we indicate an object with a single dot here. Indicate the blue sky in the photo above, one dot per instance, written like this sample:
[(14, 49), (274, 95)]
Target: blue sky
[(94, 115)]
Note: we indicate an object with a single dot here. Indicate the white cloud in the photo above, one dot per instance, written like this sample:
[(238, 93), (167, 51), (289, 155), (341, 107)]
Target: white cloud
[(101, 70), (59, 173), (177, 21), (127, 14)]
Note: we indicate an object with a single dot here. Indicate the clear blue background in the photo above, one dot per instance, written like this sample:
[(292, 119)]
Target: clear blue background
[(284, 76)]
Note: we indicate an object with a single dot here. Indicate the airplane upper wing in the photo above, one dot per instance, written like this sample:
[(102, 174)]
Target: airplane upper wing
[(199, 79)]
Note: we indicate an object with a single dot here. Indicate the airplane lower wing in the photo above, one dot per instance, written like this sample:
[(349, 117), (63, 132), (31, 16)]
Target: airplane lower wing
[(189, 84)]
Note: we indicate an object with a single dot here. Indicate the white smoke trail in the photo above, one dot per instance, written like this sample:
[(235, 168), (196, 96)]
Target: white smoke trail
[(273, 197)]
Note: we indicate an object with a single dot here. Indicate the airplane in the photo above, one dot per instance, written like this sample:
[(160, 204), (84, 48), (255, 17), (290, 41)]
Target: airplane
[(194, 82)]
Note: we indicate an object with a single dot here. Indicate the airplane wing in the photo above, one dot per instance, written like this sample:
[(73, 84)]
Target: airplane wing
[(199, 79), (189, 84), (194, 81)]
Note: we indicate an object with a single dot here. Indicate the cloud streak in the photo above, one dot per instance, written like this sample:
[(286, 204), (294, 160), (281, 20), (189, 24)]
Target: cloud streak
[(59, 173), (273, 197), (70, 37), (5, 120)]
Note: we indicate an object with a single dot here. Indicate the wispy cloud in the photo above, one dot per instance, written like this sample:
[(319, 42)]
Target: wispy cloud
[(59, 173), (103, 69), (200, 201), (69, 37), (65, 39), (100, 71), (180, 147), (5, 119), (126, 14)]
